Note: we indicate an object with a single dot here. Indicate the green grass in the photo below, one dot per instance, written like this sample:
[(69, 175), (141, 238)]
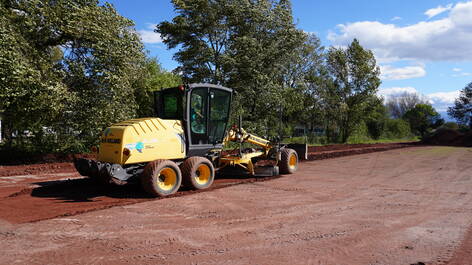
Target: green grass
[(320, 141), (364, 140), (437, 150), (379, 141)]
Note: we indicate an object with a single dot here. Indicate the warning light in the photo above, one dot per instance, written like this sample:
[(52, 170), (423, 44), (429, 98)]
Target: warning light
[(181, 87)]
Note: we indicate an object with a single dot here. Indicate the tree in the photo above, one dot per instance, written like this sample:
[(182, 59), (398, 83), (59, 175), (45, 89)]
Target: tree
[(241, 44), (70, 66), (152, 78), (462, 109), (422, 118), (30, 95), (399, 104), (300, 79), (353, 78), (376, 117)]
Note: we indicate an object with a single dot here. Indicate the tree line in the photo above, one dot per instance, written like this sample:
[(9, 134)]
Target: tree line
[(70, 68)]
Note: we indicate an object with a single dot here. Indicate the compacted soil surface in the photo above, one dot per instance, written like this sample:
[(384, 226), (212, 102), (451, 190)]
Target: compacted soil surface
[(403, 206)]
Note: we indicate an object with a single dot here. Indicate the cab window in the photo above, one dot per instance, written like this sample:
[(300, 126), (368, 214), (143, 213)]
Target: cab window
[(170, 105), (198, 107), (219, 110)]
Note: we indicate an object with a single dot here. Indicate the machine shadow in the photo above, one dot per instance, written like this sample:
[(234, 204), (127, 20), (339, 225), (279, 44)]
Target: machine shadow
[(85, 190)]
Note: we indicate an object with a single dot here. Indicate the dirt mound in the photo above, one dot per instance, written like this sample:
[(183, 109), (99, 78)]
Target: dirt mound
[(445, 136), (467, 139), (34, 169), (15, 158)]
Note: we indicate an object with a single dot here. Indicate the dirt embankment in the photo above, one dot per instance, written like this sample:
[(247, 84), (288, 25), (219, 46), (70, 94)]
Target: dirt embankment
[(449, 137)]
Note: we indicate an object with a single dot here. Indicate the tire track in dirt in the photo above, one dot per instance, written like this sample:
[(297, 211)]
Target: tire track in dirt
[(53, 196), (358, 210)]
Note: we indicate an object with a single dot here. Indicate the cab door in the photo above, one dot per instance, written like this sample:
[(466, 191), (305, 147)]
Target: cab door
[(207, 117)]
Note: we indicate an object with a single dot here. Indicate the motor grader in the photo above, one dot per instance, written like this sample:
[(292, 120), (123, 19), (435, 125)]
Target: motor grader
[(183, 145)]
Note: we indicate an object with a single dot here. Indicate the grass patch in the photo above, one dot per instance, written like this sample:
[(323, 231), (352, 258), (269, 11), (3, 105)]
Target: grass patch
[(353, 140), (381, 141), (437, 150)]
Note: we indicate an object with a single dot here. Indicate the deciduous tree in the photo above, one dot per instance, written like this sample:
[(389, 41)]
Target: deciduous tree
[(399, 104), (354, 78), (67, 69), (241, 44), (462, 109), (423, 118)]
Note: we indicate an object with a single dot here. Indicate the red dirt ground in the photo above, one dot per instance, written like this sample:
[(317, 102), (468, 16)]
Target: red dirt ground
[(35, 192), (363, 209)]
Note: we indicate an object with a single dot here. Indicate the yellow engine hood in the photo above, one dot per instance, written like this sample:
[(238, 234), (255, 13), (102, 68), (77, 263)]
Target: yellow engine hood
[(147, 139)]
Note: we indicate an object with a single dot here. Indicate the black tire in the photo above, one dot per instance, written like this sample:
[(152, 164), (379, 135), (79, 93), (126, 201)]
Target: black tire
[(197, 172), (288, 163), (161, 178)]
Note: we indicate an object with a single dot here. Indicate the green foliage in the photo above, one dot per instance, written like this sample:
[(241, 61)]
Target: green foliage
[(423, 118), (70, 68), (399, 104), (353, 80), (302, 78), (152, 78), (27, 89), (450, 125), (67, 69), (360, 134), (240, 44), (462, 109), (396, 129), (376, 117)]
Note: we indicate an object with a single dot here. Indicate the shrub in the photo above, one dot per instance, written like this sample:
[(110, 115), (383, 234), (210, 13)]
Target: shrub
[(396, 129), (450, 125)]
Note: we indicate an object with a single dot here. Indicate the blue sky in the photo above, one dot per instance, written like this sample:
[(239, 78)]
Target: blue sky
[(422, 46)]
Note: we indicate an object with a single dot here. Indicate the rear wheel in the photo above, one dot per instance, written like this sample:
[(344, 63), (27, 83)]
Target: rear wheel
[(198, 172), (161, 178), (288, 161)]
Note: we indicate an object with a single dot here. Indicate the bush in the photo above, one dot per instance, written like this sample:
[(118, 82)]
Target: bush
[(360, 134), (396, 129), (450, 125)]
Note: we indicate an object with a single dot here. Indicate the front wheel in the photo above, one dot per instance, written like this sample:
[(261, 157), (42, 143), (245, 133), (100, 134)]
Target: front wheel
[(161, 178), (288, 161), (198, 172)]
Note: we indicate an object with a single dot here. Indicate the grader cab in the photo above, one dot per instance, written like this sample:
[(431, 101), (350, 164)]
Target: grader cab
[(183, 144)]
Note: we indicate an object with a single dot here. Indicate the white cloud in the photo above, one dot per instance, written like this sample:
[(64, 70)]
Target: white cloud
[(437, 10), (447, 39), (148, 35), (460, 73), (396, 18), (442, 100), (444, 97), (439, 100), (391, 73), (386, 92)]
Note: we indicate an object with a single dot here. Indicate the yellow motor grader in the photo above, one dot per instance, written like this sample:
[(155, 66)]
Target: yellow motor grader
[(184, 144)]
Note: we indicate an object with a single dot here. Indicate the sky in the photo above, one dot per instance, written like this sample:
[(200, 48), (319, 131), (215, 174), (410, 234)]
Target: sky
[(421, 46)]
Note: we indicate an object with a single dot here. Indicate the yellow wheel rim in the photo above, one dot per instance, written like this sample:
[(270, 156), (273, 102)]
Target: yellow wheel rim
[(292, 162), (167, 179), (203, 174)]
